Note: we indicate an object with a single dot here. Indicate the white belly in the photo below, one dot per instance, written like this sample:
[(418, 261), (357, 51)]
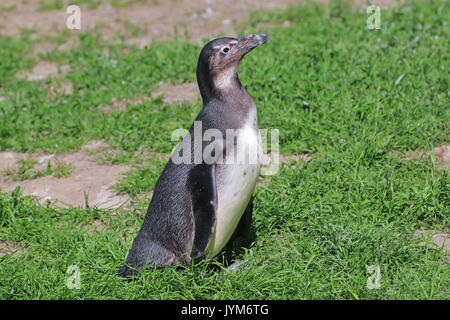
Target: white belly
[(235, 184)]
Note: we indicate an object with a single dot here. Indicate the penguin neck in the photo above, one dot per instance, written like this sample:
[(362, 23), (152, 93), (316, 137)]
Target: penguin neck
[(219, 86)]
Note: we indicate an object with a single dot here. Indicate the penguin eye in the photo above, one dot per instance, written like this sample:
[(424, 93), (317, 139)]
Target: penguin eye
[(225, 49)]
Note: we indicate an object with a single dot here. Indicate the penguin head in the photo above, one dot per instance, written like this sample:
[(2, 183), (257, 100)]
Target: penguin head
[(219, 61)]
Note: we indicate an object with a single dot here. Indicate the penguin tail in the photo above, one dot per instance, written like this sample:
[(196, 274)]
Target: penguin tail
[(127, 272), (144, 256)]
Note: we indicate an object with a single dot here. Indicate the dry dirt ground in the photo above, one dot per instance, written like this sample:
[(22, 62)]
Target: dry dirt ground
[(43, 70), (89, 178), (200, 18), (434, 239), (170, 94), (441, 154), (7, 247), (177, 93), (158, 19)]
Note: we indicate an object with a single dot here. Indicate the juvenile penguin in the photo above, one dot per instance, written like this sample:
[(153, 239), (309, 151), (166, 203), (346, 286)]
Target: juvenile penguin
[(204, 194)]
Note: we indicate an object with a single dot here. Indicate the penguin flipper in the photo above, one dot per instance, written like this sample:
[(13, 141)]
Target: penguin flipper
[(203, 189)]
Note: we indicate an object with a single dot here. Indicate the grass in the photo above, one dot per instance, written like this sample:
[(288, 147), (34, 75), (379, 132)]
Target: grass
[(347, 95), (51, 5), (26, 170), (89, 4)]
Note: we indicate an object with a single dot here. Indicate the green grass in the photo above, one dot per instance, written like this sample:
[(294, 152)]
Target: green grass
[(89, 4), (51, 5), (347, 95), (26, 170), (142, 178)]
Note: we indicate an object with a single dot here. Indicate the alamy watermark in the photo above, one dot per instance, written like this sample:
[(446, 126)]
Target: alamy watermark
[(74, 280), (73, 22), (374, 20), (374, 280), (239, 146)]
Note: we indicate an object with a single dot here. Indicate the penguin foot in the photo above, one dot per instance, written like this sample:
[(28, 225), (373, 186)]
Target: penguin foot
[(127, 273), (238, 265)]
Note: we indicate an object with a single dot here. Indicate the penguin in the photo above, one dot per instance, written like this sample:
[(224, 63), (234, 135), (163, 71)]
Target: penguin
[(202, 202)]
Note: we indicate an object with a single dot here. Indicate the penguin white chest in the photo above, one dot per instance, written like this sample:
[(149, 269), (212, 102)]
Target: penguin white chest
[(236, 179)]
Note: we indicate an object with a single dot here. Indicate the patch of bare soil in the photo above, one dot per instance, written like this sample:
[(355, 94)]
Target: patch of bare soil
[(95, 226), (441, 154), (121, 105), (272, 162), (156, 19), (434, 240), (89, 178), (43, 70), (170, 93), (63, 88), (200, 18), (9, 248), (287, 160), (8, 159), (177, 94)]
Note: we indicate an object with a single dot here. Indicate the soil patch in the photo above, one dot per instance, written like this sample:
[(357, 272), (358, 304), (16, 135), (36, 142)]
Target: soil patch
[(272, 162), (95, 226), (90, 180), (434, 240), (441, 154), (121, 105), (43, 70), (177, 94), (156, 19), (9, 248)]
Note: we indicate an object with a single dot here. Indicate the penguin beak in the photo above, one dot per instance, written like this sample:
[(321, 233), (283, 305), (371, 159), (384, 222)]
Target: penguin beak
[(250, 42)]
